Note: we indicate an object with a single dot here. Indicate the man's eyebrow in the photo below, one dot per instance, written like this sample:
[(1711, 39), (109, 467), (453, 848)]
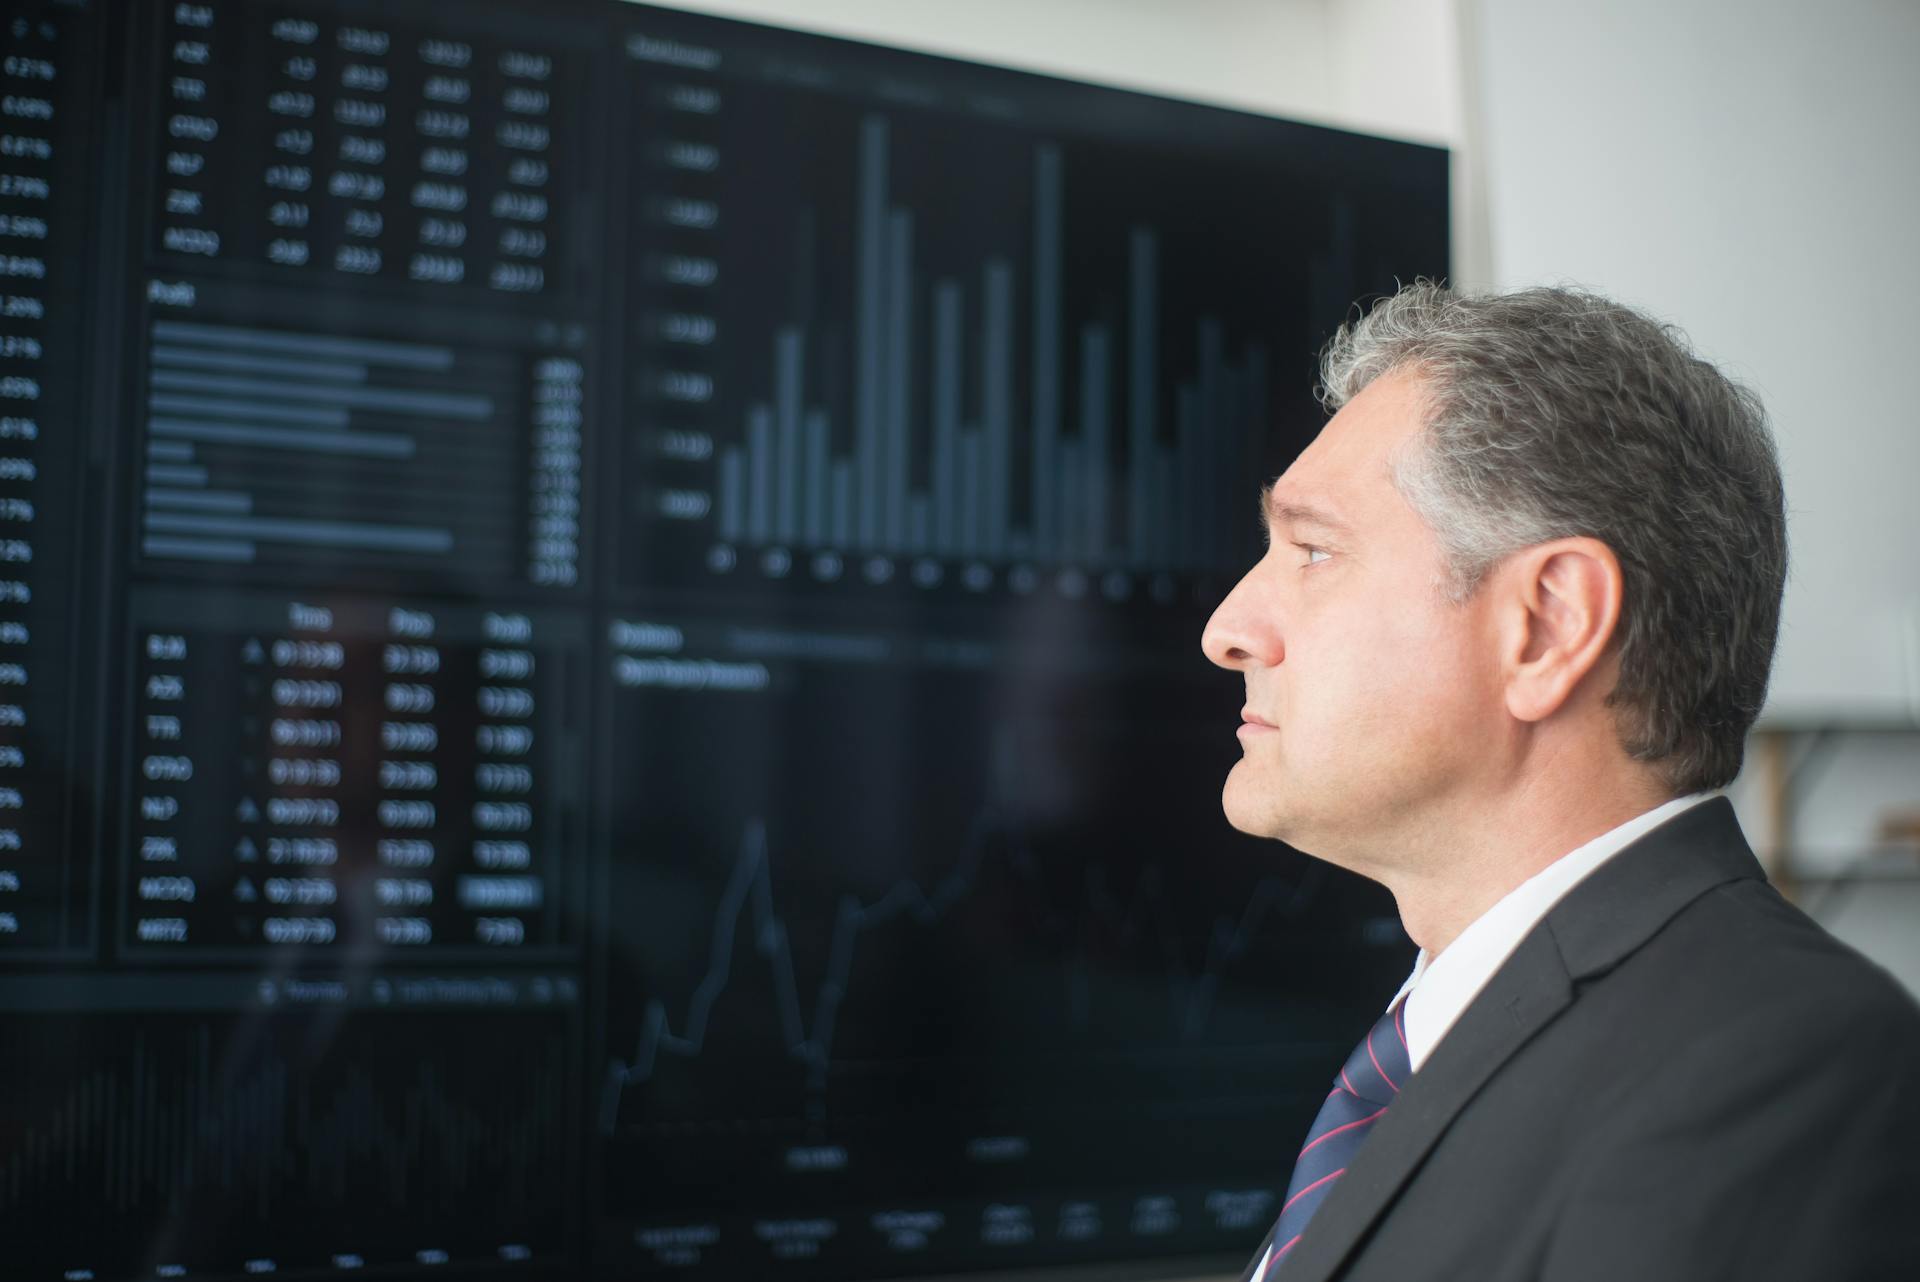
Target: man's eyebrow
[(1275, 510)]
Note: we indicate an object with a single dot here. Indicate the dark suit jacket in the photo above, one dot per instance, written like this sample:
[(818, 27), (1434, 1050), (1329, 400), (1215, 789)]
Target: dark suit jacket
[(1677, 1075)]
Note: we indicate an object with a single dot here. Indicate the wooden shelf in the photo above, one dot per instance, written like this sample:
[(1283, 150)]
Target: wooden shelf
[(1784, 776)]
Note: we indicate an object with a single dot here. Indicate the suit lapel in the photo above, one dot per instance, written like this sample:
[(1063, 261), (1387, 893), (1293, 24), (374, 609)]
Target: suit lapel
[(1605, 918), (1599, 923), (1253, 1265)]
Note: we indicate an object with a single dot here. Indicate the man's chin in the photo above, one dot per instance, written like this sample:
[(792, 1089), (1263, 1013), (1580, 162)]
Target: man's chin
[(1250, 808)]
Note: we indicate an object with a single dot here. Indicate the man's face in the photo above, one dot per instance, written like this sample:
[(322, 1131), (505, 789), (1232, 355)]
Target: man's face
[(1369, 695)]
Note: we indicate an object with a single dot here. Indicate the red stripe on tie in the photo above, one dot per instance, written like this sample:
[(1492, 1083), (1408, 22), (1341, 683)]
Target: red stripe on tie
[(1311, 1187), (1275, 1257), (1336, 1130), (1400, 1027), (1376, 1063), (1348, 1081)]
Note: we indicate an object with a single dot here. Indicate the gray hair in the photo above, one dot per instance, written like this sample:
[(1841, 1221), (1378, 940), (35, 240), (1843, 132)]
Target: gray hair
[(1556, 413)]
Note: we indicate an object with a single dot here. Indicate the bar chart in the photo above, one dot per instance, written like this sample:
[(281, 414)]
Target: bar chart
[(281, 447), (884, 375), (1106, 484)]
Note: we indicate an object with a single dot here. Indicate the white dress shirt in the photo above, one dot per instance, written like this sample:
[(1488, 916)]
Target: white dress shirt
[(1442, 987)]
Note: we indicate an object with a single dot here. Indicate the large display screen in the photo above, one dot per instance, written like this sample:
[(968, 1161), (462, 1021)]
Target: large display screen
[(600, 614)]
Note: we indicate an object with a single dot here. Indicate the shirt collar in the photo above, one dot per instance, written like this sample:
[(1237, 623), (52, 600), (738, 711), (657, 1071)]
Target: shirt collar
[(1441, 987)]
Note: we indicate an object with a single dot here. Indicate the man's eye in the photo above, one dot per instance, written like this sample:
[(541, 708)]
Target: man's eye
[(1314, 555)]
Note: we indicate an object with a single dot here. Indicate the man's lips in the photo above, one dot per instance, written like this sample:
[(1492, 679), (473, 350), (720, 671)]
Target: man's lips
[(1252, 724)]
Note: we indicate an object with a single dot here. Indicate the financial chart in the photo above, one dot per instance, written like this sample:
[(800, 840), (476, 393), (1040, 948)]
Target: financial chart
[(600, 614)]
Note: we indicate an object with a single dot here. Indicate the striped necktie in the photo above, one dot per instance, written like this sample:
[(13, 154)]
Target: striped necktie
[(1367, 1083)]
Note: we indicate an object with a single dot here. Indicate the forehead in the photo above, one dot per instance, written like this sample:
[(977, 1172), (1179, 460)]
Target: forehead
[(1345, 471)]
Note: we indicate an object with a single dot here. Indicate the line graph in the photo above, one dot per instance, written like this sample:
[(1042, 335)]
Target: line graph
[(810, 1041)]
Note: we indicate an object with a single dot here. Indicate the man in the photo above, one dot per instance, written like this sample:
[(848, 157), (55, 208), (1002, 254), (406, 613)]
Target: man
[(1514, 621)]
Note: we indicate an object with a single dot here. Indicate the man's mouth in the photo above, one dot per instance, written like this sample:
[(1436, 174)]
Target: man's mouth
[(1252, 723)]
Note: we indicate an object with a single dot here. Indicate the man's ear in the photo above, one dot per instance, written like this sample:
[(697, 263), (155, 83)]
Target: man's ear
[(1560, 610)]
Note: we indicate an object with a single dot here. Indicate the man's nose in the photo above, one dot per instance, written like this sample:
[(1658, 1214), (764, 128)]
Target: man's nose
[(1244, 630)]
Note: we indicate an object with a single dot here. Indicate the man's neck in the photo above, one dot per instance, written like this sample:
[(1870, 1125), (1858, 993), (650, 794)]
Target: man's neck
[(1480, 860)]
